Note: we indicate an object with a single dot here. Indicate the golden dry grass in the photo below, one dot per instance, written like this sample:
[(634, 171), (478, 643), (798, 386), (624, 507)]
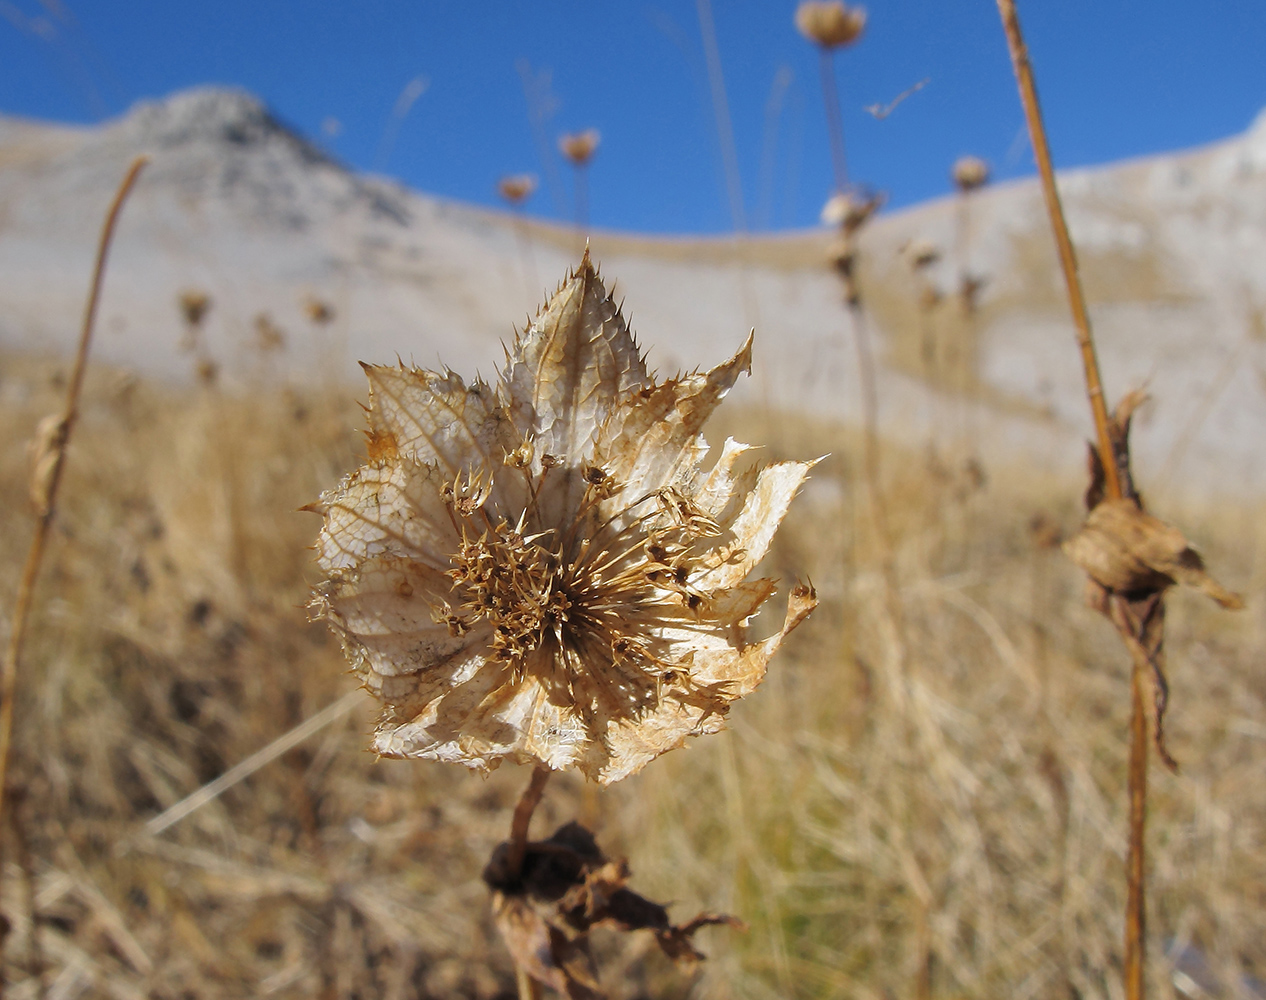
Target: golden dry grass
[(934, 803)]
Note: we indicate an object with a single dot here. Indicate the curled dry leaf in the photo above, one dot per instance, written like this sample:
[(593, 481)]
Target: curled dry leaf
[(565, 888), (1127, 551), (543, 570), (43, 452), (1130, 559)]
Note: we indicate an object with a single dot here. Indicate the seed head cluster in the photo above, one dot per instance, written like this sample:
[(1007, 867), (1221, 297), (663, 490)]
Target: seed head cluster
[(544, 570)]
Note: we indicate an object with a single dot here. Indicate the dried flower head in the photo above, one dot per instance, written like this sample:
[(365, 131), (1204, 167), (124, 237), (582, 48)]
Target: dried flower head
[(517, 188), (831, 25), (579, 147), (542, 570), (970, 172)]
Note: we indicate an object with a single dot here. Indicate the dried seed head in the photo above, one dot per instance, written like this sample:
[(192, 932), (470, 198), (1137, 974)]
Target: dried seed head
[(586, 605), (517, 188), (969, 173), (831, 25), (579, 147)]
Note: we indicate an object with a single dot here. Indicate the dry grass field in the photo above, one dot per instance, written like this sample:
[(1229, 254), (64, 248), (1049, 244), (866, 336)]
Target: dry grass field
[(925, 799)]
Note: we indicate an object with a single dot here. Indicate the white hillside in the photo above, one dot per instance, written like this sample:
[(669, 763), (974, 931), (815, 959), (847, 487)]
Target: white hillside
[(234, 204)]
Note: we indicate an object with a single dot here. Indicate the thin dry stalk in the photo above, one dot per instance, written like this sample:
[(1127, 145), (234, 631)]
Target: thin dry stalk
[(522, 819), (1135, 911), (240, 772), (1063, 241), (1135, 916), (846, 265), (49, 469), (729, 153), (520, 823), (834, 119), (36, 965)]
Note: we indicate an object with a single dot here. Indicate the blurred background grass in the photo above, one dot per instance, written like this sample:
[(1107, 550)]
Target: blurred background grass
[(926, 797)]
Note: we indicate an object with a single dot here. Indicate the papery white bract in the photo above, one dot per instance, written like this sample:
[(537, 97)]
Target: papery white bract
[(543, 570)]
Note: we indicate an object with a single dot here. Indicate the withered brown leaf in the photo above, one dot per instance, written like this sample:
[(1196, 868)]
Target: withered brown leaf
[(565, 888)]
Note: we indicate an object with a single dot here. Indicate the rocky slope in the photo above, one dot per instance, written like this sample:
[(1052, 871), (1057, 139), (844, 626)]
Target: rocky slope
[(310, 267)]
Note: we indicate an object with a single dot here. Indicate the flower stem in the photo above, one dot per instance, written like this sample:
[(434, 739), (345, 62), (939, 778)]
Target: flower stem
[(834, 120), (528, 802), (1135, 911)]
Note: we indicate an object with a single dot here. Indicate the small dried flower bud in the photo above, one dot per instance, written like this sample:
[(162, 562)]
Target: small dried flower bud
[(520, 457), (517, 188), (850, 210), (921, 254), (194, 305), (684, 513), (969, 173), (830, 25), (317, 311), (579, 147), (600, 483)]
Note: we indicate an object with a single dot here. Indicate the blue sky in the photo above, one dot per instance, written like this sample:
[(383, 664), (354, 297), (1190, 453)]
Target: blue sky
[(1117, 78)]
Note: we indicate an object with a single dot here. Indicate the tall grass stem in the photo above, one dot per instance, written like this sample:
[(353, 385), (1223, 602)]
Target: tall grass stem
[(35, 555)]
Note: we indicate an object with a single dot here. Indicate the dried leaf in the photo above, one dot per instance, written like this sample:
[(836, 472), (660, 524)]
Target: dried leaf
[(544, 570), (1141, 623), (1130, 552), (1130, 558), (565, 888), (43, 453)]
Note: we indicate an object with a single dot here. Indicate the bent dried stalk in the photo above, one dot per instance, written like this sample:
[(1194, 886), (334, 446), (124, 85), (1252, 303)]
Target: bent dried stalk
[(48, 461)]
